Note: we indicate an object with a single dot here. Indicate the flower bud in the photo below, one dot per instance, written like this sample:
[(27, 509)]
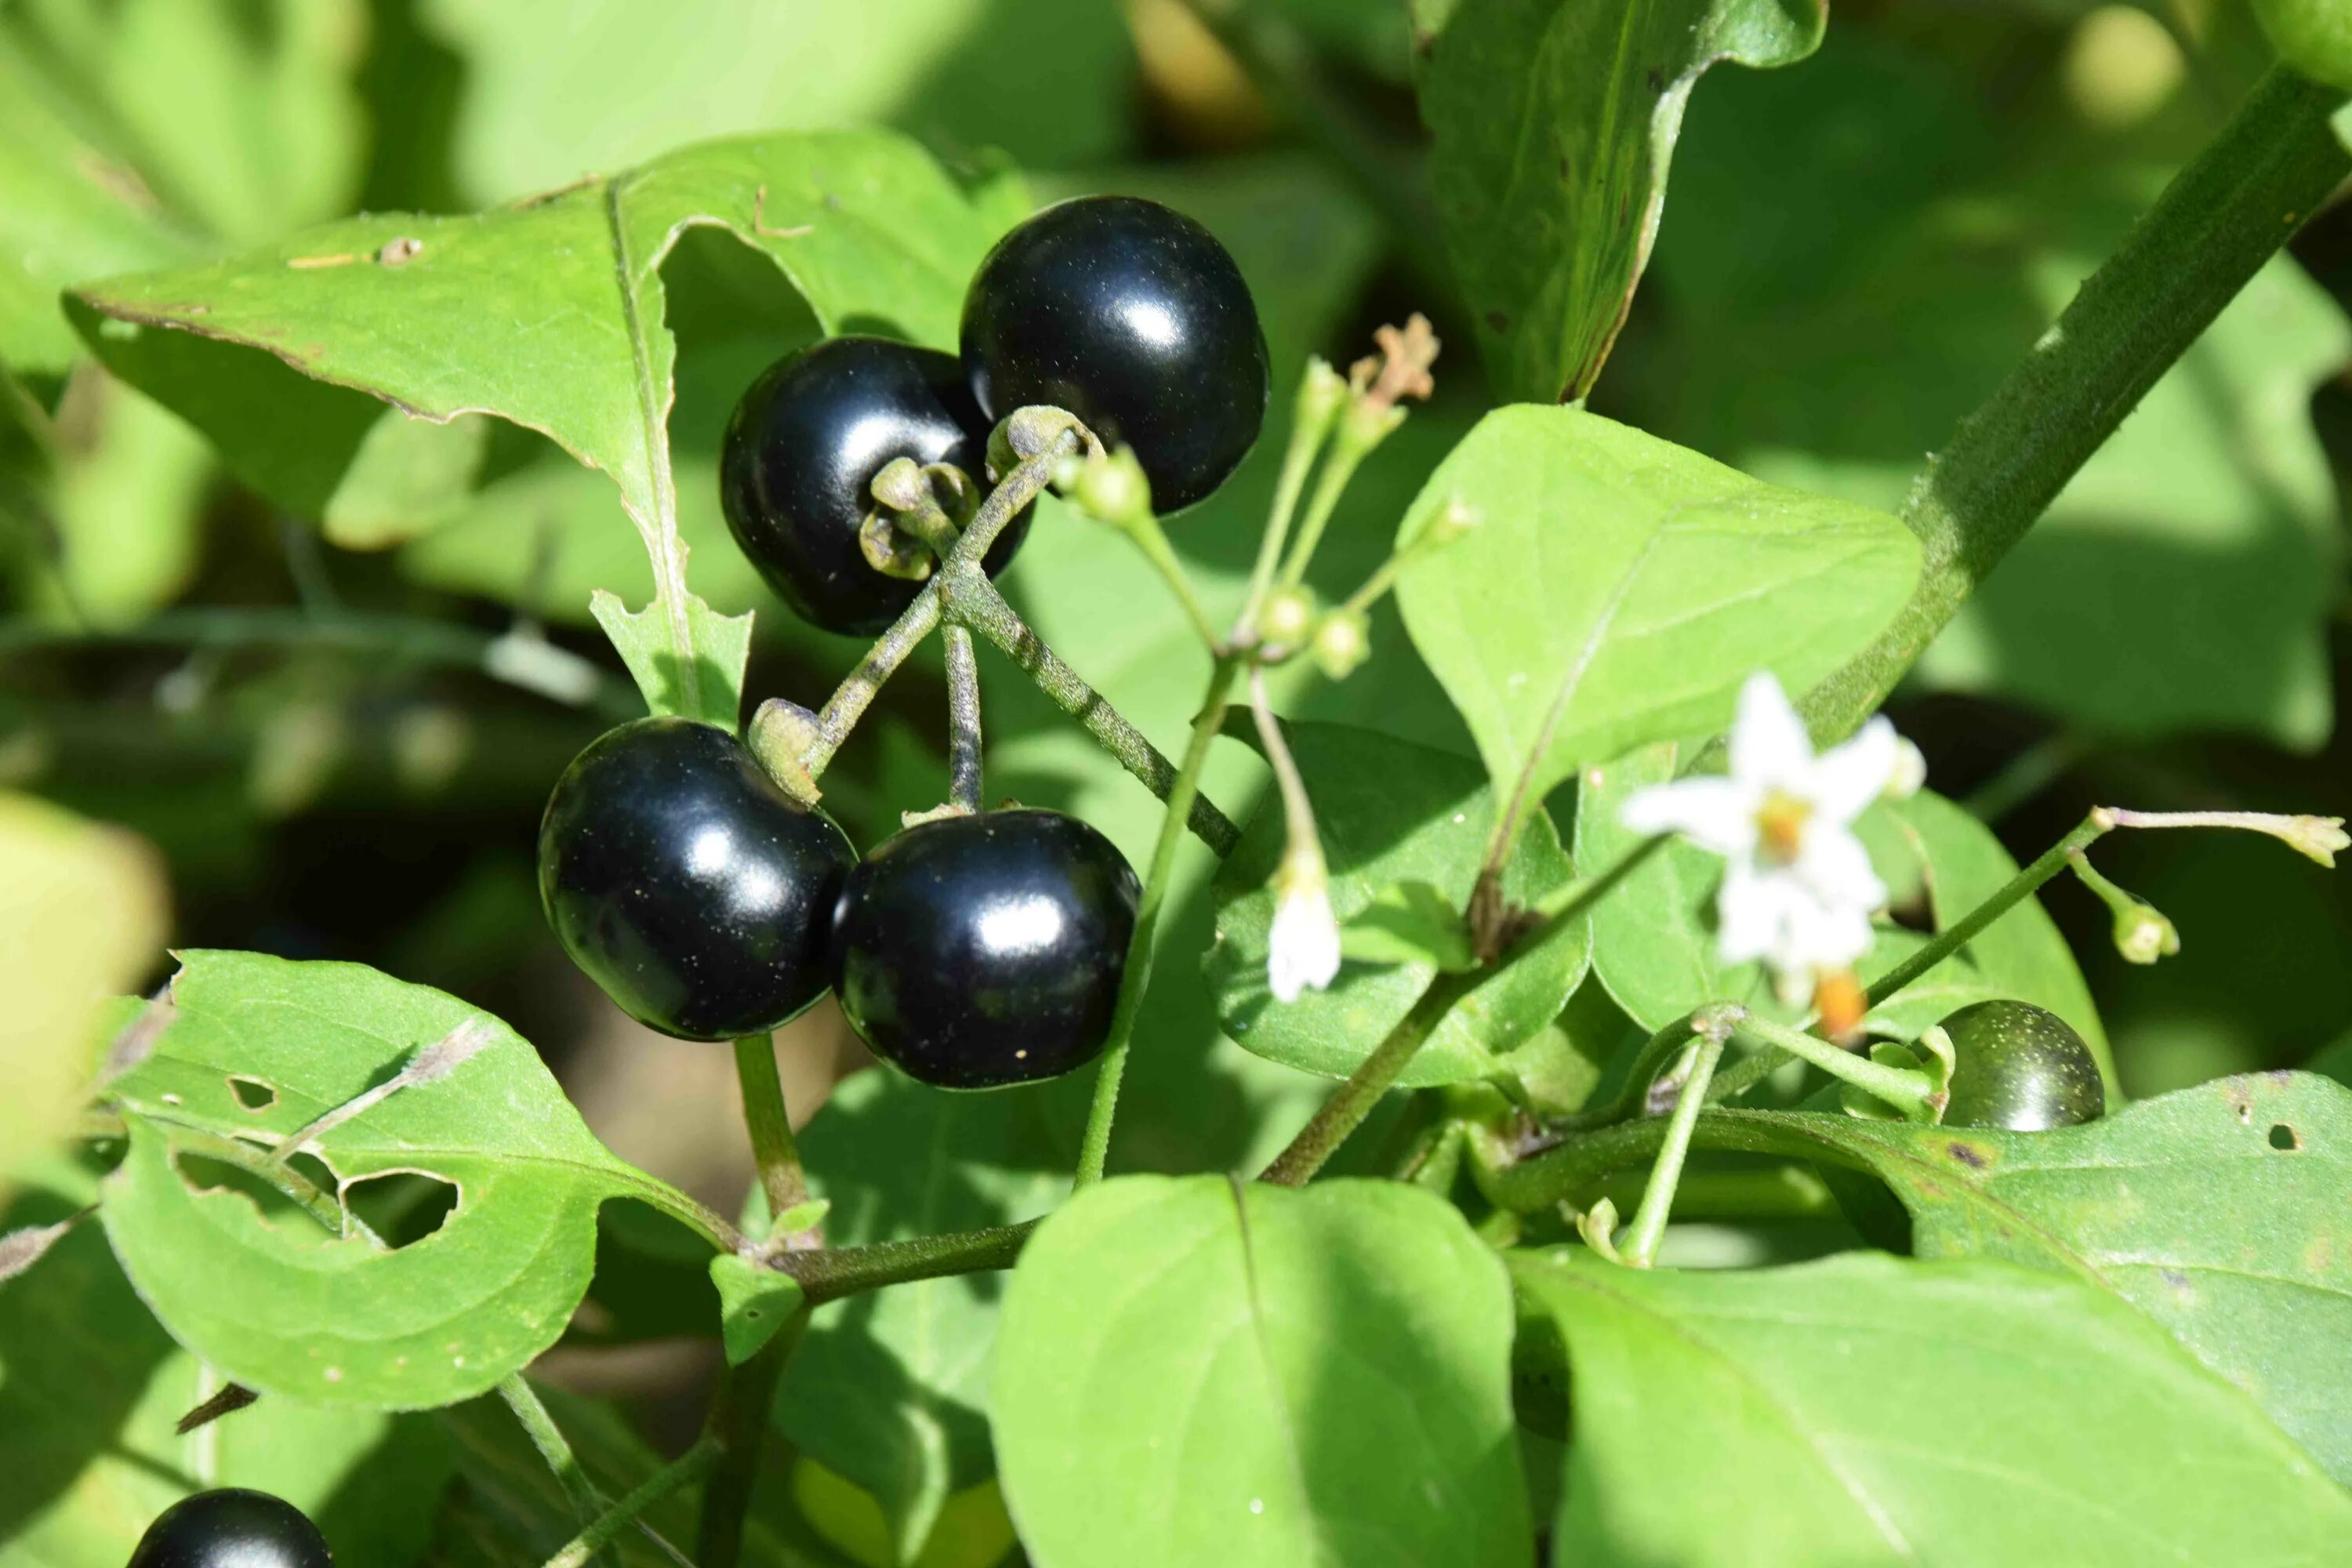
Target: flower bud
[(1342, 641), (1287, 619)]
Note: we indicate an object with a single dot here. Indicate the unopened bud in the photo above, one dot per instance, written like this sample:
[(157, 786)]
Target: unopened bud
[(1910, 774), (1449, 523), (1288, 618), (1321, 391), (1110, 488), (1342, 641), (2143, 934)]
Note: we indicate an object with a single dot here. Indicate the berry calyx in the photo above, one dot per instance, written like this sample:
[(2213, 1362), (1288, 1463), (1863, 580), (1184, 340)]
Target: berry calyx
[(232, 1528), (796, 471), (2021, 1067), (1132, 317), (686, 884), (975, 952)]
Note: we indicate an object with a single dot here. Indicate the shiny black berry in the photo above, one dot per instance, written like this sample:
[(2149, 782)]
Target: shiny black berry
[(2020, 1068), (801, 454), (971, 952), (1133, 317), (685, 883), (231, 1528)]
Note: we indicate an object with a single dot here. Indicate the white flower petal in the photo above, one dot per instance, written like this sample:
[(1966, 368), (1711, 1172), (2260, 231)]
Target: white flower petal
[(1910, 774), (1769, 749), (1751, 911), (1844, 780), (1717, 813), (1303, 948), (1836, 868), (1835, 938)]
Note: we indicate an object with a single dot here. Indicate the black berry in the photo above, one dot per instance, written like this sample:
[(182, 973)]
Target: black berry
[(2020, 1068), (977, 951), (232, 1528), (800, 455), (1133, 317), (685, 883)]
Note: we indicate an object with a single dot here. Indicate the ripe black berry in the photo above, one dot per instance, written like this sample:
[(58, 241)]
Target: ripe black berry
[(685, 883), (971, 952), (232, 1528), (1133, 317), (801, 452), (2020, 1067)]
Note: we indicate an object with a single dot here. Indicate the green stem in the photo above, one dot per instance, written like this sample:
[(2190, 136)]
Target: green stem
[(1353, 1101), (512, 659), (1312, 412), (1905, 1089), (1096, 1149), (687, 1468), (771, 1125), (1962, 931), (837, 1271), (971, 600), (1347, 451), (1152, 540), (737, 1427), (963, 719), (2216, 224), (1784, 1193), (546, 1436), (1641, 1247)]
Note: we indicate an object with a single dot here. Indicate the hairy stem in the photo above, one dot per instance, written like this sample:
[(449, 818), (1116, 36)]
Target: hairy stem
[(963, 719), (1095, 1150), (834, 1273), (973, 600), (735, 1429), (2213, 228), (1641, 1247), (771, 1125), (687, 1468), (546, 1436)]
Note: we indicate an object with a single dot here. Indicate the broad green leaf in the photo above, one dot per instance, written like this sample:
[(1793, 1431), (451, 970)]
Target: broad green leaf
[(1553, 123), (1411, 922), (1618, 589), (888, 1389), (722, 646), (91, 1387), (550, 314), (1836, 303), (540, 80), (272, 1300), (83, 912), (1870, 1409), (1388, 812), (2218, 1210), (1198, 1372)]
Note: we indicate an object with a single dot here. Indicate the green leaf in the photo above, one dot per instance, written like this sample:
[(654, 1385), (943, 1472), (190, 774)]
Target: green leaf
[(1870, 1409), (722, 648), (550, 314), (1409, 923), (2218, 1210), (753, 1303), (92, 1388), (1618, 589), (279, 1305), (1196, 1372), (1389, 812), (1552, 124), (889, 1388)]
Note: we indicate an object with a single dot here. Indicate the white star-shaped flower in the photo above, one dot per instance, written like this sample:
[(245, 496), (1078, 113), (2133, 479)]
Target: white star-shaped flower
[(1797, 888), (1303, 949)]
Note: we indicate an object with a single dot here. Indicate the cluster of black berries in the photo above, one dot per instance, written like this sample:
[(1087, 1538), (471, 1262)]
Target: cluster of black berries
[(970, 950)]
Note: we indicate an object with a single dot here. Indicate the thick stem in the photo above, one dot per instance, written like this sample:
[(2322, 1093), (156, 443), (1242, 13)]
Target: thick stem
[(781, 1176), (834, 1273), (1096, 1149), (1640, 1248), (737, 1427), (688, 1468), (963, 719), (1907, 1089), (2213, 228), (974, 602)]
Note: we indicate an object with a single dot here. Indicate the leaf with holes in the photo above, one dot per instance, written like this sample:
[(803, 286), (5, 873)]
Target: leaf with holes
[(1617, 589), (1389, 812), (257, 1049), (1196, 1374), (2218, 1210), (1552, 126), (550, 313), (1870, 1409), (889, 1388)]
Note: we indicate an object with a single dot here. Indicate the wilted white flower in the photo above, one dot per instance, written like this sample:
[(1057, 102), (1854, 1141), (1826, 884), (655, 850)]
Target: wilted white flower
[(1797, 888), (1303, 949)]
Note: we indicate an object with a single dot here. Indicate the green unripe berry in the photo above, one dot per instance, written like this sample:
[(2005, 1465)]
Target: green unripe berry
[(2021, 1067)]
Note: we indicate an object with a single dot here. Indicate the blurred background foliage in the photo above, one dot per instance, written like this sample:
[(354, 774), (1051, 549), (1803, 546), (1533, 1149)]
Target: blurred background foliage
[(326, 730)]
